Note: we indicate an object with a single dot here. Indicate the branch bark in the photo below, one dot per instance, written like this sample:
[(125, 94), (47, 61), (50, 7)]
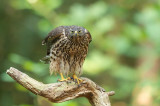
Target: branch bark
[(63, 91)]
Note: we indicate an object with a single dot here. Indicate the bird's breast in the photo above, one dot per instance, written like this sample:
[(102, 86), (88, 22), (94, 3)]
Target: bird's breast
[(75, 49)]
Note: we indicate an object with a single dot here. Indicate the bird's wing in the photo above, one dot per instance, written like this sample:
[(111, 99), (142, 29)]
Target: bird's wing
[(52, 38), (53, 35), (88, 35)]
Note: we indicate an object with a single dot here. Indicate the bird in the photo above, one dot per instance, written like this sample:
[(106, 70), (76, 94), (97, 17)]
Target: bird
[(67, 48)]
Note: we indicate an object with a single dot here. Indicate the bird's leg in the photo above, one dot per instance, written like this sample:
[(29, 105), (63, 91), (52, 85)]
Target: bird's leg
[(75, 78), (63, 79)]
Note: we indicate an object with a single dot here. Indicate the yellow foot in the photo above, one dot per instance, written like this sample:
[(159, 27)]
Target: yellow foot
[(63, 79), (78, 80)]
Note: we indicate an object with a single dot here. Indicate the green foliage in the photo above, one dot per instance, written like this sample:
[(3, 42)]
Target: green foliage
[(123, 56)]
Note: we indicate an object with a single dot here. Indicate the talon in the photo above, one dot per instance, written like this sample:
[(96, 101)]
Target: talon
[(76, 79), (71, 78), (63, 79)]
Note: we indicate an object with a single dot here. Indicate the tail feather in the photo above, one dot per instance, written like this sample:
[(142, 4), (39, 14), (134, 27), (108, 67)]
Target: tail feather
[(45, 59)]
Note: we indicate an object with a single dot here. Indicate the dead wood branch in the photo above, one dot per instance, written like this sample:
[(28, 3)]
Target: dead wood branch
[(63, 91)]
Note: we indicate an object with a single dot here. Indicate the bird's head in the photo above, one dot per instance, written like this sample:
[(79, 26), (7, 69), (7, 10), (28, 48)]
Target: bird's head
[(77, 33)]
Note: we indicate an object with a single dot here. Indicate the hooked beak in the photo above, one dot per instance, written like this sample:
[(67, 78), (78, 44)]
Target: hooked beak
[(76, 33)]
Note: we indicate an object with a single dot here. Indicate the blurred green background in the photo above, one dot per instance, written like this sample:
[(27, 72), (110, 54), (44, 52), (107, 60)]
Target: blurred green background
[(124, 55)]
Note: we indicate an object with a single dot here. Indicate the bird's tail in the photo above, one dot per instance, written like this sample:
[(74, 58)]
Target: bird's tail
[(45, 59)]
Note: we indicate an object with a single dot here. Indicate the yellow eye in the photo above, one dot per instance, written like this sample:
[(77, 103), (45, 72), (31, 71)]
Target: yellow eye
[(79, 31)]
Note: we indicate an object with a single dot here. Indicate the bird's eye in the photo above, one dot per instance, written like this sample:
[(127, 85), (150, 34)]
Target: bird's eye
[(72, 31), (79, 31)]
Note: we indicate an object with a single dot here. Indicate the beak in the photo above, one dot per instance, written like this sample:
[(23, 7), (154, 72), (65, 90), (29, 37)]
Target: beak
[(76, 33)]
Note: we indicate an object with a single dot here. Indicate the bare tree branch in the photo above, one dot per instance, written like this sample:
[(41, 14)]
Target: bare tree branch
[(63, 91)]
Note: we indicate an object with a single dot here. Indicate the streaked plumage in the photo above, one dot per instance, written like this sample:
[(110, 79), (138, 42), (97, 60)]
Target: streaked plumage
[(67, 47)]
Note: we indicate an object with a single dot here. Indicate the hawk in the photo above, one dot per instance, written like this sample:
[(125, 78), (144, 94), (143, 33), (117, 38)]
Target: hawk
[(67, 47)]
